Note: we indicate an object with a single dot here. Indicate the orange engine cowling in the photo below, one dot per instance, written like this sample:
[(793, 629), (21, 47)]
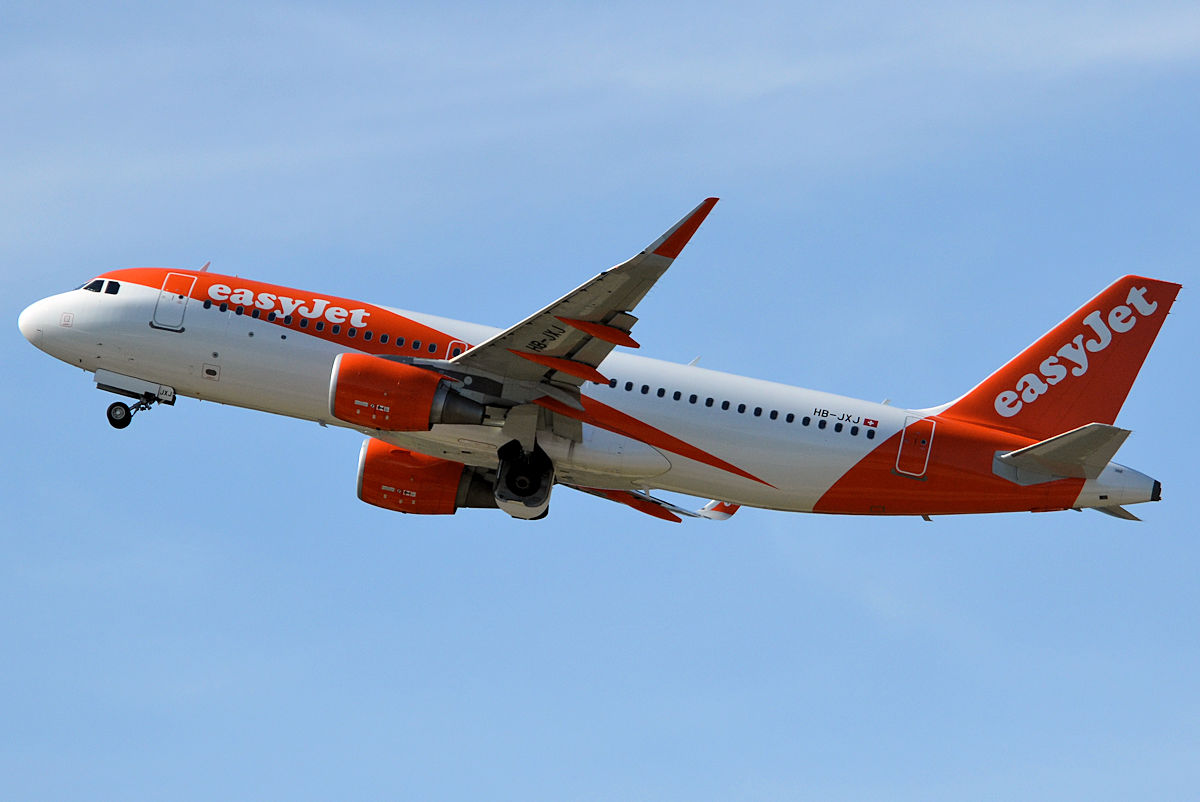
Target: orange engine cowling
[(396, 479), (395, 397)]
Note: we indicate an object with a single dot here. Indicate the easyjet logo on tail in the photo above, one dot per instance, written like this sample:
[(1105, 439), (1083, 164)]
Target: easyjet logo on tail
[(1072, 358), (272, 302)]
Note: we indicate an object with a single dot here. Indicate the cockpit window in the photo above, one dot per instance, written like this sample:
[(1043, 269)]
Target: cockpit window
[(93, 286), (113, 288)]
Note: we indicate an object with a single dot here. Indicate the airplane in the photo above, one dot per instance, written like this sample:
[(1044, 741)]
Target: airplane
[(459, 415)]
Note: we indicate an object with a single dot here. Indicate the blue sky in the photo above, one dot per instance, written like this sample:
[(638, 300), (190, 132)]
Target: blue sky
[(198, 606)]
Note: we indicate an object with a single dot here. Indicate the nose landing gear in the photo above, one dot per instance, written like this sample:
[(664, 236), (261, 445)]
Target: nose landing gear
[(145, 393), (121, 415)]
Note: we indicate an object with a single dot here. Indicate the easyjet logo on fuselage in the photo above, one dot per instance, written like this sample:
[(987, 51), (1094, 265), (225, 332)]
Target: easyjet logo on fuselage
[(1072, 357), (281, 304)]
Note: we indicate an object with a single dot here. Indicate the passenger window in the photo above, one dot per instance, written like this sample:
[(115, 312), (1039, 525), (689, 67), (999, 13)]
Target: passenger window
[(367, 335), (241, 310), (320, 325), (774, 414), (661, 392), (304, 323), (822, 423), (399, 342), (416, 345), (741, 408), (256, 314), (433, 348), (725, 405), (94, 286), (791, 417), (287, 321), (383, 338), (458, 351), (336, 329), (806, 420), (224, 307), (677, 395), (113, 288), (628, 386), (837, 427), (854, 431), (870, 434), (708, 402), (270, 315), (611, 382), (207, 304), (645, 389), (693, 398), (351, 332), (758, 412)]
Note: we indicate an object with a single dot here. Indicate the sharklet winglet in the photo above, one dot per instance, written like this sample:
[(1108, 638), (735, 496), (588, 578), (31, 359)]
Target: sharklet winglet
[(671, 243)]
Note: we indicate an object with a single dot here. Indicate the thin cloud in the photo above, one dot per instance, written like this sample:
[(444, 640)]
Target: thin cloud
[(256, 94)]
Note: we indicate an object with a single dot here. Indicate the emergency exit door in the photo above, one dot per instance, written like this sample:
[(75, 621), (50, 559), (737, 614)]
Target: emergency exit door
[(915, 445)]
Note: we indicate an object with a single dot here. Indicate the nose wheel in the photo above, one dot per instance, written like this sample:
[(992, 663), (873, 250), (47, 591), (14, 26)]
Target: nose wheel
[(121, 415)]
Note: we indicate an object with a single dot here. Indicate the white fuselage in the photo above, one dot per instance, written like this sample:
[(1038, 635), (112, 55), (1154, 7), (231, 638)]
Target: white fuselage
[(787, 445)]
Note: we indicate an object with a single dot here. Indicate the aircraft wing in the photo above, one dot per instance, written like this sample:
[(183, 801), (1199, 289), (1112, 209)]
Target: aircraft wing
[(651, 505), (565, 342)]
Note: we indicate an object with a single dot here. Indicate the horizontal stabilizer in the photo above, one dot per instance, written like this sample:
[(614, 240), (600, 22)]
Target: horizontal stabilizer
[(1117, 511), (1080, 453)]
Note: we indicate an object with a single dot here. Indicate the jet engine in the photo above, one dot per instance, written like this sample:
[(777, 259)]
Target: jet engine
[(400, 480), (395, 397)]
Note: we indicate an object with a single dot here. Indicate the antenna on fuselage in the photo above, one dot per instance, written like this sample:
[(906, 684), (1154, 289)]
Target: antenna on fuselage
[(205, 268)]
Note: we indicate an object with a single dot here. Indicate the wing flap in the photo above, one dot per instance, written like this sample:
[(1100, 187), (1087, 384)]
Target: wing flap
[(602, 331)]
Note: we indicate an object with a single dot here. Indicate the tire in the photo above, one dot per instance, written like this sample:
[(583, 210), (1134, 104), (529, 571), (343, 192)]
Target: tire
[(119, 415)]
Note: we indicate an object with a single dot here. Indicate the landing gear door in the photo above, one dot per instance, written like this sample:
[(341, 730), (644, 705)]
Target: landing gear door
[(172, 301), (915, 445)]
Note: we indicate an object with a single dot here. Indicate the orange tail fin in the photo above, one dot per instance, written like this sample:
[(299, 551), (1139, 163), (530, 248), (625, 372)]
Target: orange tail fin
[(1078, 373)]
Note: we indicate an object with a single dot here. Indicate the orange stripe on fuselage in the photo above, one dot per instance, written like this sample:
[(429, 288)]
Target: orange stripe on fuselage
[(606, 417), (303, 305), (958, 479)]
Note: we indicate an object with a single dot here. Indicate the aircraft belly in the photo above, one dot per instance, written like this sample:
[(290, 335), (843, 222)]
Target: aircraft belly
[(602, 460)]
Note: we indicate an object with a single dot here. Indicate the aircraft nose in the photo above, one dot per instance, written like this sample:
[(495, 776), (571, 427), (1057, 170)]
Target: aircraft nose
[(31, 322)]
